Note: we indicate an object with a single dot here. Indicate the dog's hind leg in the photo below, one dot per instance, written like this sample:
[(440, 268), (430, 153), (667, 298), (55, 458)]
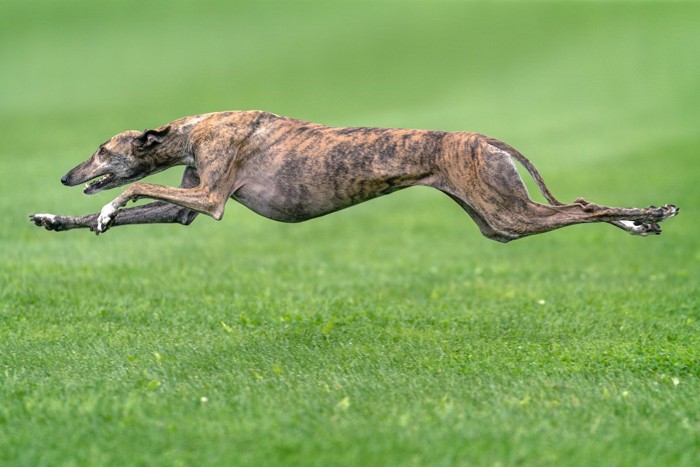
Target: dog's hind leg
[(494, 195), (537, 218), (640, 228), (158, 212)]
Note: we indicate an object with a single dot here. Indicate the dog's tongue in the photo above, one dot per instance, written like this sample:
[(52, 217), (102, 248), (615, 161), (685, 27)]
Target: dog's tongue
[(92, 187)]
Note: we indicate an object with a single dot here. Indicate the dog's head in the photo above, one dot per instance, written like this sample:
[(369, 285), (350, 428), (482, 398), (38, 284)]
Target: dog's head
[(123, 159)]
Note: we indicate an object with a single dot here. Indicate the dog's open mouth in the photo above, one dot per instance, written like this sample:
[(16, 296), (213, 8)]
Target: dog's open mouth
[(98, 184)]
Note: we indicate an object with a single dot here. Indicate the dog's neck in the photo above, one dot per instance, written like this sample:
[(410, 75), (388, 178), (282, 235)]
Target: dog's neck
[(179, 143), (176, 148)]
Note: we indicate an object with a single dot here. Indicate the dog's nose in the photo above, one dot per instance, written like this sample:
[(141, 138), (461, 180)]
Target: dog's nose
[(64, 179)]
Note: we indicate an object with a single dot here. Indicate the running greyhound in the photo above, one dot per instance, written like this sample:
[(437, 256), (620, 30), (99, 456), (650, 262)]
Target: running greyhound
[(291, 171)]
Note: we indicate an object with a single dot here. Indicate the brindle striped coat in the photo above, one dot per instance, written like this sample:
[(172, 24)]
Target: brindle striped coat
[(292, 170)]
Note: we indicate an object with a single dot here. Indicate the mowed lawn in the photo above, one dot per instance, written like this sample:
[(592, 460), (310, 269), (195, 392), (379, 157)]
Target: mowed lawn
[(391, 333)]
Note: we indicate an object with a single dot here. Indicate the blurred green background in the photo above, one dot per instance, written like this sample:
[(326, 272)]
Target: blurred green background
[(582, 79), (604, 98)]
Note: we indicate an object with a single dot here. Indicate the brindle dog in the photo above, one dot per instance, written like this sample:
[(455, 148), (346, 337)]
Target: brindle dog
[(291, 171)]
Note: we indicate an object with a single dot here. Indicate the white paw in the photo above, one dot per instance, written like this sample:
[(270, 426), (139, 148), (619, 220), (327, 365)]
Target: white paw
[(50, 218), (105, 219), (48, 221), (640, 228)]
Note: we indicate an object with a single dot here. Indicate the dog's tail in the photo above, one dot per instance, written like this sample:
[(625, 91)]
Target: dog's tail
[(515, 154)]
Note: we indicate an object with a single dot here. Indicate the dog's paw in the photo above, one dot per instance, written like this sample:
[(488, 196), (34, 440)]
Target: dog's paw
[(105, 219), (643, 229), (670, 210), (47, 221), (664, 212)]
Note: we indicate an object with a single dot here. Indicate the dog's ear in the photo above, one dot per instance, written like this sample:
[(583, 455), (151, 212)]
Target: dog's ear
[(151, 138)]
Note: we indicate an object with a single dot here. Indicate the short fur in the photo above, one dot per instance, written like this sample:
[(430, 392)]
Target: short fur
[(291, 171)]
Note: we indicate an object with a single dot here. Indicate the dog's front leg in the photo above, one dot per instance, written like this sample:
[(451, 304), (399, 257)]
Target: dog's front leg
[(216, 171), (196, 199), (158, 212)]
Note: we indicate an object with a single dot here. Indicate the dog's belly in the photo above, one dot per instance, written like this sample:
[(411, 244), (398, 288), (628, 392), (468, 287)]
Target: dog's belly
[(303, 201)]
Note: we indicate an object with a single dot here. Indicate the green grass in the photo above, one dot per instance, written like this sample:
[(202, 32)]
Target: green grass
[(391, 333)]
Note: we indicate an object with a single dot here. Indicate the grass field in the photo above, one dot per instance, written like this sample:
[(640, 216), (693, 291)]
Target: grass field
[(391, 333)]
